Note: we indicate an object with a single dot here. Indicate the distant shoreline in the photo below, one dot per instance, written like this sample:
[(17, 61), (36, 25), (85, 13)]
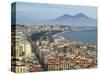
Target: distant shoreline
[(80, 42)]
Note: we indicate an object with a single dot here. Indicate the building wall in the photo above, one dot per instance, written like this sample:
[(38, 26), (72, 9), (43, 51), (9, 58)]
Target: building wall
[(19, 69), (28, 49)]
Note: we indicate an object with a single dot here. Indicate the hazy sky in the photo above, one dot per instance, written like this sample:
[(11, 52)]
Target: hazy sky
[(27, 13)]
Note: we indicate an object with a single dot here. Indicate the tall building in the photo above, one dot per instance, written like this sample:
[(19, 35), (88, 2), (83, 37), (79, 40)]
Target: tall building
[(20, 47)]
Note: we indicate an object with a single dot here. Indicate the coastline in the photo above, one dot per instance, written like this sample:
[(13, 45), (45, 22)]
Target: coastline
[(79, 42)]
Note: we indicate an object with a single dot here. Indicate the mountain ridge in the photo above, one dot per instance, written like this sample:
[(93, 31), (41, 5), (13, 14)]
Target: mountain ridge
[(77, 20)]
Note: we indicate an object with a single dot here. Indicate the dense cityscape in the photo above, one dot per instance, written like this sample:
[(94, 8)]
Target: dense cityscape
[(36, 48)]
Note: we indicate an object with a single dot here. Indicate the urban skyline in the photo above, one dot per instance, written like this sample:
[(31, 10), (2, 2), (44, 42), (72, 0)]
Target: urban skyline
[(41, 43)]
